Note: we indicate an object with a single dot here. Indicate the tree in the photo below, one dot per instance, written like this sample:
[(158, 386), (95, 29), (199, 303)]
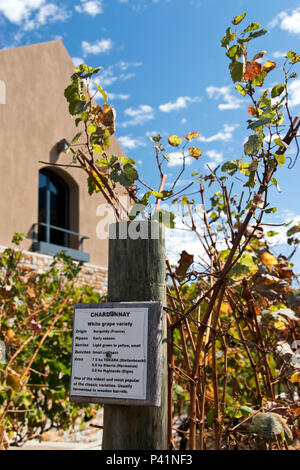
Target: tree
[(35, 328), (220, 300)]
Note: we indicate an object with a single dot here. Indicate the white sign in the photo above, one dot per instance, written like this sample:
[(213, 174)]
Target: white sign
[(109, 357)]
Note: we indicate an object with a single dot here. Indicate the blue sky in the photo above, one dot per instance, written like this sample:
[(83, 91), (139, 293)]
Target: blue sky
[(165, 71)]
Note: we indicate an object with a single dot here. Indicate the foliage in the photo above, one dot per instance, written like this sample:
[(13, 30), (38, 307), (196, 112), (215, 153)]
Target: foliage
[(230, 315), (36, 313)]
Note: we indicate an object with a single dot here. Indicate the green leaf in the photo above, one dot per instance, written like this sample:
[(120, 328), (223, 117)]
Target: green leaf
[(77, 107), (230, 167), (252, 27), (238, 19), (236, 71), (239, 271), (255, 123), (92, 187), (234, 52), (277, 90), (251, 180), (246, 411), (263, 97), (224, 255), (75, 139), (280, 143), (259, 80), (272, 210), (125, 160), (281, 159), (274, 181), (157, 194), (293, 230), (156, 138), (228, 38), (72, 92), (103, 93), (210, 416), (244, 168), (125, 176), (145, 199), (247, 260), (291, 55), (271, 233), (252, 145), (165, 217), (257, 34), (269, 424), (97, 148), (92, 127), (17, 238)]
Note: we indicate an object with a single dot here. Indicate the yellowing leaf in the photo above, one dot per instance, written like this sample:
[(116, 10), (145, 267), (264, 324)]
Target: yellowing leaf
[(269, 65), (254, 269), (174, 140), (195, 152), (252, 70), (13, 381), (252, 110), (31, 292), (192, 135), (269, 260), (280, 325), (107, 117), (225, 308), (10, 339), (295, 378)]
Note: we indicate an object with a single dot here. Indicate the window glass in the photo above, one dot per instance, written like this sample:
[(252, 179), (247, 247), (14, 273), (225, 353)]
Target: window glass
[(53, 208)]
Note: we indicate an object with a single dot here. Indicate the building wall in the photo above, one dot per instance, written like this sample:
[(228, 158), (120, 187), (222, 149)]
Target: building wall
[(34, 118)]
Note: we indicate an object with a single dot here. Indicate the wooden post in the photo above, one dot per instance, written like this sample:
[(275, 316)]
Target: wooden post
[(137, 273)]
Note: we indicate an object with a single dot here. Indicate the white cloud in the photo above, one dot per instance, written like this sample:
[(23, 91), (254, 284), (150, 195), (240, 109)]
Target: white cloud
[(279, 54), (123, 65), (151, 133), (288, 21), (90, 7), (215, 156), (110, 75), (17, 11), (176, 159), (225, 135), (131, 143), (106, 78), (139, 115), (294, 93), (77, 61), (180, 103), (178, 240), (183, 121), (51, 12), (117, 96), (32, 13), (137, 5), (224, 92), (98, 47)]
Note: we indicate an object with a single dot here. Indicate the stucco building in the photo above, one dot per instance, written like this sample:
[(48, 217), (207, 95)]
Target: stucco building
[(50, 204)]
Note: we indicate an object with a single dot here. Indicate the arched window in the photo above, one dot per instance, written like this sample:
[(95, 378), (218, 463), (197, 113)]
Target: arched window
[(53, 209)]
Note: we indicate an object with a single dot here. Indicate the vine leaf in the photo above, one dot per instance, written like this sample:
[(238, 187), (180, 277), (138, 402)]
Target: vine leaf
[(184, 263)]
